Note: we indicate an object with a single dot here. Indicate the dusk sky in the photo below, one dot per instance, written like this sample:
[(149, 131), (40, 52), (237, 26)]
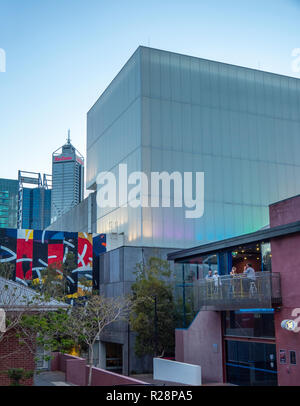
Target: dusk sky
[(62, 54)]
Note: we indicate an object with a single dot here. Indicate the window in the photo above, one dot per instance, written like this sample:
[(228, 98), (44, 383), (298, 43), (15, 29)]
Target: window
[(251, 364), (248, 324)]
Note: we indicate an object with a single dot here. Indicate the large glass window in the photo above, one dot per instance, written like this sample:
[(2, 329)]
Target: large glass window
[(251, 364), (114, 357), (248, 254), (249, 324), (186, 277), (266, 257), (196, 268)]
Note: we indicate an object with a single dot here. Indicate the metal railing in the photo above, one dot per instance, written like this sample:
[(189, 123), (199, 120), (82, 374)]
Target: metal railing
[(238, 292)]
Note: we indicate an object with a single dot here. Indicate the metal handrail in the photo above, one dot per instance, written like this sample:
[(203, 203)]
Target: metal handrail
[(234, 290)]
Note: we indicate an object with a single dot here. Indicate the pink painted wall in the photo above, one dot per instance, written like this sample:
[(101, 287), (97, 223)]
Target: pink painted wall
[(286, 260), (195, 345), (77, 372), (55, 362), (284, 212), (179, 345), (101, 377)]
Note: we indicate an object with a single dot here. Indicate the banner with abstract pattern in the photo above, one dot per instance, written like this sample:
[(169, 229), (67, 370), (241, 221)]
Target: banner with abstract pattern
[(31, 251)]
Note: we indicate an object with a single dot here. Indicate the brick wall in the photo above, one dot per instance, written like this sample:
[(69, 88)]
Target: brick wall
[(15, 355)]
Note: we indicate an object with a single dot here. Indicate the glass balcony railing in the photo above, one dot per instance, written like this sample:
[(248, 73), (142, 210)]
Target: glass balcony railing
[(238, 292)]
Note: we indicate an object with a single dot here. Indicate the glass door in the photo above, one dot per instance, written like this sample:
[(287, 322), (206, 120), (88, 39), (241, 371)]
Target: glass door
[(251, 363)]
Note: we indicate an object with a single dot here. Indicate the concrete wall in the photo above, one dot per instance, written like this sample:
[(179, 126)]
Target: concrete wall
[(116, 275), (171, 112), (173, 371), (201, 344), (286, 260), (80, 218)]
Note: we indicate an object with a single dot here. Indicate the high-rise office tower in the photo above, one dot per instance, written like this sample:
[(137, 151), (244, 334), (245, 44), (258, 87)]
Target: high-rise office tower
[(34, 204), (67, 179), (8, 203)]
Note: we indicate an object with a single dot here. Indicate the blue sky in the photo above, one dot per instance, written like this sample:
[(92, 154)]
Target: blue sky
[(62, 54)]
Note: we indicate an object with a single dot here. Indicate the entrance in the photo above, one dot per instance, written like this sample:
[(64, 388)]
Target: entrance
[(251, 363), (114, 357), (41, 362)]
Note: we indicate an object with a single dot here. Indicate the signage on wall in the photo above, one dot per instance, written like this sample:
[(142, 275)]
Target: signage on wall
[(289, 325), (292, 325), (293, 358), (282, 356), (63, 158)]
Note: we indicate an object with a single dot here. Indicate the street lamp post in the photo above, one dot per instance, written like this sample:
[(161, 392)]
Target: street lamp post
[(155, 327)]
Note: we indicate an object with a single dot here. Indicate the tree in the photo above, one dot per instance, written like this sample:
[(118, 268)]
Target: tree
[(31, 316), (47, 329), (6, 270), (18, 374), (17, 301), (153, 310), (87, 321), (54, 282)]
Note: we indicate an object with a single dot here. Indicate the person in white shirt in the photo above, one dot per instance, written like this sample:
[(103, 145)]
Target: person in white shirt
[(217, 281), (209, 276), (209, 279)]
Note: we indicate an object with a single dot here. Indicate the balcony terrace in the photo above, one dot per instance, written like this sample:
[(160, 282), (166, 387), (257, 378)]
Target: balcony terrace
[(238, 292)]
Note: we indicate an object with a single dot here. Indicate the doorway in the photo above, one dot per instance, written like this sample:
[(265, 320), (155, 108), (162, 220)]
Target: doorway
[(114, 357), (251, 363)]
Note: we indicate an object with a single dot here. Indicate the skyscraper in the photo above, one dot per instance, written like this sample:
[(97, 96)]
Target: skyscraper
[(67, 179), (8, 203), (34, 204)]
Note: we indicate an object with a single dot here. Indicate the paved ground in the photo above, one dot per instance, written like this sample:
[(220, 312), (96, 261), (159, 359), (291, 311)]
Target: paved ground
[(49, 378), (149, 379), (56, 378)]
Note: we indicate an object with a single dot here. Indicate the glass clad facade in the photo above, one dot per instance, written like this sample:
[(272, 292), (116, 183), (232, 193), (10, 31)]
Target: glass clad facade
[(249, 324), (36, 208), (67, 180), (26, 208), (193, 290), (171, 112), (114, 126), (251, 363), (8, 203)]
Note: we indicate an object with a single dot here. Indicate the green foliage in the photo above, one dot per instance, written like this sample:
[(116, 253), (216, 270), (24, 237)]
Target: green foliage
[(152, 281), (18, 374), (184, 315), (6, 270), (89, 318), (54, 283), (70, 264), (49, 330)]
